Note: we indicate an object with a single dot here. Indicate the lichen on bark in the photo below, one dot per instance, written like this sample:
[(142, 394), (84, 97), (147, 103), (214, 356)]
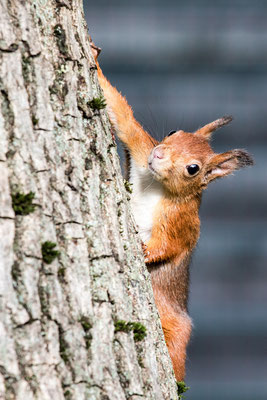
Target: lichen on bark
[(58, 338)]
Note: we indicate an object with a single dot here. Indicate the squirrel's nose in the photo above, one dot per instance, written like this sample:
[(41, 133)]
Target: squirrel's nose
[(158, 153)]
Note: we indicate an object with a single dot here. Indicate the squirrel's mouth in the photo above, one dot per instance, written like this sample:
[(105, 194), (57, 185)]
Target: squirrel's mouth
[(153, 171), (150, 167)]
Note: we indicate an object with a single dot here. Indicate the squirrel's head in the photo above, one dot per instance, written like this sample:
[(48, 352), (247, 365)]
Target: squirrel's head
[(185, 163)]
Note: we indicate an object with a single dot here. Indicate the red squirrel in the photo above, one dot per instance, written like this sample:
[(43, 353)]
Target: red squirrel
[(167, 182)]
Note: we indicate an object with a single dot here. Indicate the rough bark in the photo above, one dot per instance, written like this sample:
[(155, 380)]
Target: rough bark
[(57, 326)]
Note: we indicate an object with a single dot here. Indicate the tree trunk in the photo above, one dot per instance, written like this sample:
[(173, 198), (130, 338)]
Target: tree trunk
[(70, 261)]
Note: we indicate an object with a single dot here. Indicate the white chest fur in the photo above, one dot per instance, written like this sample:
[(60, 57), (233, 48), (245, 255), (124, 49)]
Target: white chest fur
[(146, 194)]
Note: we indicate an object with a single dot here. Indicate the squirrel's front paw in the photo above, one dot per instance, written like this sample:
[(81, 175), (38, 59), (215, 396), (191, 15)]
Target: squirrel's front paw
[(146, 252)]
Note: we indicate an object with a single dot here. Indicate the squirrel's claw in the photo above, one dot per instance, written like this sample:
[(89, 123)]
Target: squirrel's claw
[(146, 252), (95, 50)]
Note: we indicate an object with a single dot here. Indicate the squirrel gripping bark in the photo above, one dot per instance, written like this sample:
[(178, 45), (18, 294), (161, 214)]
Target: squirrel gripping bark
[(167, 180)]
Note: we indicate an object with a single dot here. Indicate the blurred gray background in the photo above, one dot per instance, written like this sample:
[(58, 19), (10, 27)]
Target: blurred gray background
[(182, 64)]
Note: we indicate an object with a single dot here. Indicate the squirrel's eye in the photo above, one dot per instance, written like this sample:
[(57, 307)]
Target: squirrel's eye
[(192, 169), (171, 133)]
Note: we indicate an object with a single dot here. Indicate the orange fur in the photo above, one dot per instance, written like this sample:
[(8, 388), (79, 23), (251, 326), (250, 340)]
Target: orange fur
[(175, 224), (175, 230), (177, 333), (128, 129)]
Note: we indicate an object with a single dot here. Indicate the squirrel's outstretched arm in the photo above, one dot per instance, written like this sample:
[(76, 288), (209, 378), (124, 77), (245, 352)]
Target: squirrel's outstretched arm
[(129, 131)]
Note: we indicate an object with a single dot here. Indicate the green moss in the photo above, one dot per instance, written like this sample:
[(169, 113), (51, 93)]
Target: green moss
[(139, 330), (181, 388), (22, 203), (61, 39), (87, 334), (128, 186), (122, 326), (35, 120), (140, 361), (97, 103), (64, 357), (63, 348), (61, 272), (67, 394), (86, 324), (48, 252), (15, 271)]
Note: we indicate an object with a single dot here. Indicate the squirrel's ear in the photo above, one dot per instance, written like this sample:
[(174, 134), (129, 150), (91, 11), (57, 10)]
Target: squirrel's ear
[(223, 164), (206, 131)]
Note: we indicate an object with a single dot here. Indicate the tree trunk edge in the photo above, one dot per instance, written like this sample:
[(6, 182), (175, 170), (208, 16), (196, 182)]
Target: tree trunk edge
[(58, 320)]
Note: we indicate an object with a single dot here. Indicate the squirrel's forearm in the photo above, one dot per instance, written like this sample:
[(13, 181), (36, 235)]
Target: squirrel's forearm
[(130, 132), (175, 232), (160, 249)]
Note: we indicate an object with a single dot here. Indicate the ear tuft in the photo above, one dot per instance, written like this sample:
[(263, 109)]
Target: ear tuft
[(224, 164), (206, 131), (226, 119), (243, 157)]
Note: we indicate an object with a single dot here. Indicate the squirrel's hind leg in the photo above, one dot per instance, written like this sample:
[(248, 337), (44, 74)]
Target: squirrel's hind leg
[(177, 326)]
